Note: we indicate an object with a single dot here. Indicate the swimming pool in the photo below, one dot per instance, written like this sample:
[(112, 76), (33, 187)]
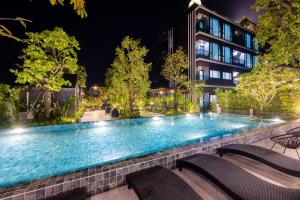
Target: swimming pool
[(34, 153)]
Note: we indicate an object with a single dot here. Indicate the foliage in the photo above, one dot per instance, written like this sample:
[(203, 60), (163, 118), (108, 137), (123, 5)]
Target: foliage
[(56, 121), (80, 110), (263, 84), (9, 99), (195, 88), (81, 76), (166, 104), (67, 105), (127, 114), (286, 102), (78, 5), (279, 31), (5, 32), (231, 99), (175, 66), (48, 56), (127, 79)]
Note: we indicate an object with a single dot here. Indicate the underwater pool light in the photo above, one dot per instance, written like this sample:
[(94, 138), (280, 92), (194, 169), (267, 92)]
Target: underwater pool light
[(100, 123), (18, 130)]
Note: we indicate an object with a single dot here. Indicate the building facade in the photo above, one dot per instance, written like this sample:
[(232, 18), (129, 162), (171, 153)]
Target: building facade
[(219, 50)]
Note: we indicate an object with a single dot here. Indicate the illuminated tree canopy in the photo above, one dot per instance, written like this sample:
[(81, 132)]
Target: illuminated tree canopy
[(263, 84), (47, 57), (279, 31), (128, 77)]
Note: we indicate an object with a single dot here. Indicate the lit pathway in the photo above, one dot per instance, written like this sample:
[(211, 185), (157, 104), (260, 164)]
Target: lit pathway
[(99, 115)]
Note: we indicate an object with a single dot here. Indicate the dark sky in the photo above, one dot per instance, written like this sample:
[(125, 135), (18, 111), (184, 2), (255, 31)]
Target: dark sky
[(108, 22)]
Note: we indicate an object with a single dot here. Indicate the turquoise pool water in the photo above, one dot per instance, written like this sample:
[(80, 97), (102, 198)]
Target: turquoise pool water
[(34, 153)]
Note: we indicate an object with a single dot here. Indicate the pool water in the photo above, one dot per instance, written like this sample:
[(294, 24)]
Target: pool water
[(34, 153)]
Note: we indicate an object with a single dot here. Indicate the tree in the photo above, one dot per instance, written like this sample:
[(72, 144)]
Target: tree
[(195, 89), (9, 100), (81, 78), (48, 56), (279, 32), (128, 77), (78, 5), (5, 32), (263, 84), (174, 68)]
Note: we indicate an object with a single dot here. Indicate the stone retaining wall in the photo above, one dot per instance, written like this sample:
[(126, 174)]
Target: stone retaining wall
[(103, 178)]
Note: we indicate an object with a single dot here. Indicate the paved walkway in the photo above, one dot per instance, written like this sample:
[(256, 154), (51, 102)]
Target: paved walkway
[(99, 115), (207, 190)]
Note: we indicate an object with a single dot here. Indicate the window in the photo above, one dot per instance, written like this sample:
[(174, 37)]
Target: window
[(255, 60), (236, 77), (201, 75), (236, 74), (212, 98), (203, 22), (248, 60), (214, 52), (248, 40), (255, 44), (214, 74), (238, 57), (214, 27), (227, 76), (202, 48), (227, 34), (226, 55), (238, 37)]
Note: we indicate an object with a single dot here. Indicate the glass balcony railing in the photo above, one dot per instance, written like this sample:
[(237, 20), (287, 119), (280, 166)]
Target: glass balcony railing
[(202, 53)]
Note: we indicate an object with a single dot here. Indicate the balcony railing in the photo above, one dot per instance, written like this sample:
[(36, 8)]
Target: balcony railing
[(239, 62), (202, 53)]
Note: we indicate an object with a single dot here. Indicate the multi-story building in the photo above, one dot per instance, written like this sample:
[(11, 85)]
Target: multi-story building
[(219, 49)]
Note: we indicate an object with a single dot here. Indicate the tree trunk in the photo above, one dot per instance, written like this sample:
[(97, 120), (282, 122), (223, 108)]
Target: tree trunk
[(47, 104)]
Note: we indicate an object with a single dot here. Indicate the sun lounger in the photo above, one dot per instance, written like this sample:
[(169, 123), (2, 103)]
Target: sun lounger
[(236, 182), (271, 158), (158, 183)]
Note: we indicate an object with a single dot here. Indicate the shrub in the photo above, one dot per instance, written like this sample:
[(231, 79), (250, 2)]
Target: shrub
[(9, 99)]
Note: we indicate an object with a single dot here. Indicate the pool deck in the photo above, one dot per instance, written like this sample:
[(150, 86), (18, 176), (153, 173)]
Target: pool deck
[(207, 190), (100, 115)]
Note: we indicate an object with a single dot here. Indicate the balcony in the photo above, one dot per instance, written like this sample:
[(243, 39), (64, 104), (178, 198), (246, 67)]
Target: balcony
[(201, 53), (202, 26)]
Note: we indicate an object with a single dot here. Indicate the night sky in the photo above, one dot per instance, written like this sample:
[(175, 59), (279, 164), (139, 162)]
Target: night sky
[(108, 22)]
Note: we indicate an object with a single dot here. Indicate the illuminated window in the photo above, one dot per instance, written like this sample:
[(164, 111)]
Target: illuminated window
[(248, 60), (201, 75), (202, 48), (214, 51), (227, 76), (214, 27), (212, 98), (227, 34), (255, 44), (248, 40), (226, 55), (214, 74), (238, 57)]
